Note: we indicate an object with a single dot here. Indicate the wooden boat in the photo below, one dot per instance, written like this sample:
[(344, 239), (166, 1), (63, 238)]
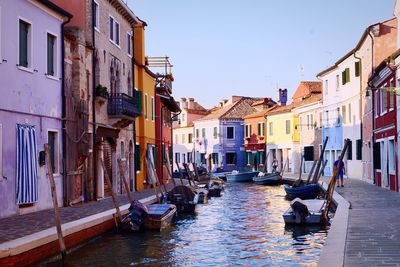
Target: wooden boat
[(241, 176), (305, 212), (268, 179), (308, 191), (220, 175), (183, 198), (159, 216)]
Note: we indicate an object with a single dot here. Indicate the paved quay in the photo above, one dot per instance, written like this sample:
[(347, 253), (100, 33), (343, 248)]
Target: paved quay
[(373, 233), (18, 226)]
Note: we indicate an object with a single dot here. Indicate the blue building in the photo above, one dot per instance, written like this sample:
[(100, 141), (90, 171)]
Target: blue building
[(219, 136)]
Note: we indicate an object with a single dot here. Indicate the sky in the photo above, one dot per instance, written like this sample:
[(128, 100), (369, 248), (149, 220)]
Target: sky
[(221, 48)]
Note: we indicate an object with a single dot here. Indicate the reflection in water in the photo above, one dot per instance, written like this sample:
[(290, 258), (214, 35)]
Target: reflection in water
[(242, 228)]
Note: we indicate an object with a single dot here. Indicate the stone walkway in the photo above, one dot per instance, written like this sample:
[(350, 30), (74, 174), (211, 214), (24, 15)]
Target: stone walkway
[(21, 225), (373, 233)]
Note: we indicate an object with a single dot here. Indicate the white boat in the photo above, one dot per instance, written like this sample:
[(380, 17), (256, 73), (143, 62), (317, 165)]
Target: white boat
[(305, 211)]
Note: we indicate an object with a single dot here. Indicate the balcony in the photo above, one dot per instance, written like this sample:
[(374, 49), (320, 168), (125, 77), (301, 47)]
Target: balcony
[(122, 106)]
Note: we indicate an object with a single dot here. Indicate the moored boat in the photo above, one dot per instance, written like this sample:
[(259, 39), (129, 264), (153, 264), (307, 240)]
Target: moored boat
[(159, 216), (241, 176), (267, 179), (305, 212), (183, 198), (308, 191), (221, 175)]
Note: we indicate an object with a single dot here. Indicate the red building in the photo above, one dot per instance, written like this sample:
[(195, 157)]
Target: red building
[(384, 125)]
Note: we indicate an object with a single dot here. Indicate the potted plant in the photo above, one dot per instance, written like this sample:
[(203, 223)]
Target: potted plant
[(101, 94)]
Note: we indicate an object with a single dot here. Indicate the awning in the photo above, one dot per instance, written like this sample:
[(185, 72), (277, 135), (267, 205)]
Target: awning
[(170, 103)]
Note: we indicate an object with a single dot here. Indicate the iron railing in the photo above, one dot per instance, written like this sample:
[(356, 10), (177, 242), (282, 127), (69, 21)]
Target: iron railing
[(122, 104)]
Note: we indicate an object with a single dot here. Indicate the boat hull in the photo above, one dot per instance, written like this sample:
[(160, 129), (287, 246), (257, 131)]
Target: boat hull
[(270, 179), (309, 191), (241, 177), (156, 222), (315, 208)]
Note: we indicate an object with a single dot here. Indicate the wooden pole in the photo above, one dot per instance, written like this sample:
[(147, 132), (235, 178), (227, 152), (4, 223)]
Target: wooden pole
[(196, 171), (188, 173), (149, 173), (180, 172), (301, 165), (284, 167), (321, 158), (122, 173), (114, 198), (322, 170), (266, 162), (331, 186), (55, 203), (168, 167), (311, 171)]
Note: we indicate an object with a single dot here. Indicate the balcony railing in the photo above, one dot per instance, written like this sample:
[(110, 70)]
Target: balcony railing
[(120, 104)]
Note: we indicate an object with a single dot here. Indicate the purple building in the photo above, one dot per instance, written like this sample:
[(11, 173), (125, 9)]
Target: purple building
[(31, 106)]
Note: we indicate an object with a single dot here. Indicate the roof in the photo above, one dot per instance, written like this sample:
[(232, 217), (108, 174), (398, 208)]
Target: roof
[(260, 113), (357, 47), (216, 113), (315, 98), (55, 8), (281, 109), (306, 89), (197, 109)]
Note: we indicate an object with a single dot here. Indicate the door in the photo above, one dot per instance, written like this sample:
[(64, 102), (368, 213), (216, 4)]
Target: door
[(384, 164)]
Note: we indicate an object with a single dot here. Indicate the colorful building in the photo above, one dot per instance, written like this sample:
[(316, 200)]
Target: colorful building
[(308, 99), (183, 131), (31, 105), (219, 135), (254, 134)]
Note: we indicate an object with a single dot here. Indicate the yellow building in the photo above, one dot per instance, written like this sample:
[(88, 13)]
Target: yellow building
[(145, 124), (282, 138)]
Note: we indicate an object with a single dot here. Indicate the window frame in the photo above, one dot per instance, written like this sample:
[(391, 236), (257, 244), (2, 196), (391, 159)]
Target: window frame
[(233, 133), (56, 166), (391, 156), (55, 55), (261, 126), (287, 127), (235, 158), (129, 43), (29, 67), (97, 16), (247, 130), (203, 132), (271, 128), (112, 37), (146, 106), (215, 132), (190, 138), (153, 115)]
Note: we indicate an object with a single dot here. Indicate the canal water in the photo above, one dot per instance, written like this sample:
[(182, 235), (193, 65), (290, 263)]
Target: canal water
[(244, 227)]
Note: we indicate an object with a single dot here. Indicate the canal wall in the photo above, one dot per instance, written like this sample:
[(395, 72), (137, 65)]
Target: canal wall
[(42, 245)]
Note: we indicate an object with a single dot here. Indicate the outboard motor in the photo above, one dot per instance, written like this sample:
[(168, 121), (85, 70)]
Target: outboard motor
[(137, 214), (299, 209)]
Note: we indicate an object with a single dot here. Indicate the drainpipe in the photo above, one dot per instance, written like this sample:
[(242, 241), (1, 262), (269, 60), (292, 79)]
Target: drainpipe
[(265, 138), (134, 122), (63, 112), (361, 96), (373, 104), (94, 150)]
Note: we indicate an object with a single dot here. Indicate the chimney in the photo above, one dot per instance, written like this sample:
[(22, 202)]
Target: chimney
[(183, 103), (282, 96), (191, 103)]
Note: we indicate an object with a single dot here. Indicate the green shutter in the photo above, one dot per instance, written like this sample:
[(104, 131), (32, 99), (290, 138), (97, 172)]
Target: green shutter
[(139, 100), (347, 75), (153, 148), (357, 69), (343, 77), (23, 43)]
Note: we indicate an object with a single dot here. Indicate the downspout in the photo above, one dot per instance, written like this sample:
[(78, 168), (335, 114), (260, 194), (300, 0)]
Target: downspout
[(361, 96), (265, 149), (94, 150), (373, 104), (134, 121), (63, 112)]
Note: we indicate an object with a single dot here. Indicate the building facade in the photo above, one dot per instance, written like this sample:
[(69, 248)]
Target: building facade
[(31, 106)]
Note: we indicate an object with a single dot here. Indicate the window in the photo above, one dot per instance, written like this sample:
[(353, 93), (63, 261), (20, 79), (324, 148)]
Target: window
[(349, 112), (184, 158), (345, 76), (327, 117), (52, 139), (96, 16), (350, 150), (320, 119), (377, 155), (287, 126), (197, 133), (137, 157), (215, 132), (384, 100), (177, 157), (377, 103), (190, 138), (326, 87), (338, 116), (189, 157), (261, 129), (1, 152), (122, 149), (51, 55), (203, 132), (129, 43), (344, 115), (231, 158), (183, 138), (230, 132), (248, 130), (25, 46), (146, 106), (311, 121), (152, 109), (358, 149), (337, 82), (357, 69), (271, 129), (308, 153), (214, 157), (114, 31), (392, 156)]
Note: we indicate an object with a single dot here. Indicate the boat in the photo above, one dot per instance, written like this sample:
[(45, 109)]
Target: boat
[(308, 191), (241, 176), (183, 198), (268, 178), (159, 216), (305, 212), (220, 175), (134, 220), (215, 188)]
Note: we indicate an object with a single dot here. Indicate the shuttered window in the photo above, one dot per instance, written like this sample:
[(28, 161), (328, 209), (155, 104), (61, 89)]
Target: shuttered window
[(350, 151), (377, 156), (51, 54), (24, 34), (357, 69), (137, 157), (358, 149)]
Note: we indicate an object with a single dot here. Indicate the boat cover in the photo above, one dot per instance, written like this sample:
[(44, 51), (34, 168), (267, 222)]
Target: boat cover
[(158, 209)]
